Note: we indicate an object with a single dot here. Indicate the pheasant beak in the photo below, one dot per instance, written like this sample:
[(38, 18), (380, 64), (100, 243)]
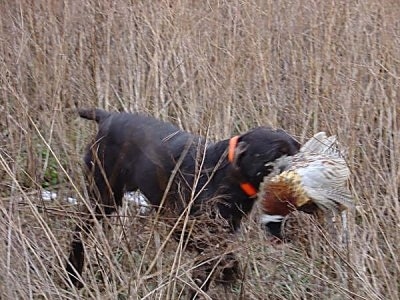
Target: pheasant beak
[(302, 201), (309, 207)]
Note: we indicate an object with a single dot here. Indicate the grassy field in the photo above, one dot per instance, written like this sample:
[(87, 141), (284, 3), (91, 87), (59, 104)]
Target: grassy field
[(215, 68)]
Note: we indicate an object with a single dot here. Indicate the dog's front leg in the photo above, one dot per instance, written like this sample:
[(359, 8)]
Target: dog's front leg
[(214, 241), (223, 269)]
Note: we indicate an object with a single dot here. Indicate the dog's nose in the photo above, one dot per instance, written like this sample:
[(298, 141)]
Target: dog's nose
[(282, 168)]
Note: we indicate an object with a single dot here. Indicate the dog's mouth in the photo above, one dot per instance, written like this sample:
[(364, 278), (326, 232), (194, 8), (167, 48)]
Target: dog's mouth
[(278, 166)]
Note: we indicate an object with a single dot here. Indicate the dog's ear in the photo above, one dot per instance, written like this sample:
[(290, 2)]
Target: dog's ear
[(240, 149)]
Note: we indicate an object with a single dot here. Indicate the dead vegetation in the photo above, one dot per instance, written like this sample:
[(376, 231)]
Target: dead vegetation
[(215, 68)]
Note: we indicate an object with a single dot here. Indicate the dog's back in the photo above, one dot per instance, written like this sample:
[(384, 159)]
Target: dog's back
[(137, 151)]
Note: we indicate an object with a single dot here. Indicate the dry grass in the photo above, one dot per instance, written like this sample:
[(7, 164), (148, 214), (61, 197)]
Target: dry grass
[(212, 67)]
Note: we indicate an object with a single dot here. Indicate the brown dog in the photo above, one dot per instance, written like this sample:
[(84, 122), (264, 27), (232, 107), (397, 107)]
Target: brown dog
[(133, 151)]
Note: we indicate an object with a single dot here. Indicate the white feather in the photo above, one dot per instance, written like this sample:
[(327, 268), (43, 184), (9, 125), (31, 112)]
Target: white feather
[(325, 172), (320, 143), (322, 172), (265, 219)]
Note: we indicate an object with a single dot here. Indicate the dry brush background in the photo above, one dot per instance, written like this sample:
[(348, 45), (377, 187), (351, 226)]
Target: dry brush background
[(215, 68)]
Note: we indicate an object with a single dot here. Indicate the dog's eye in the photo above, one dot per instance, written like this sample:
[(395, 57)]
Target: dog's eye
[(257, 155)]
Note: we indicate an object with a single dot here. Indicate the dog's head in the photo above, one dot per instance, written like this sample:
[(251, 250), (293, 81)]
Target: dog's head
[(257, 149)]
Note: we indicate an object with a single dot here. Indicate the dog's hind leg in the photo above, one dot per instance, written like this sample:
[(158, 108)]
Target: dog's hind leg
[(76, 258), (106, 191)]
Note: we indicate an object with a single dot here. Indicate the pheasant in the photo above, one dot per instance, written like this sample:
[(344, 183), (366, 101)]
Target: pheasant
[(316, 177)]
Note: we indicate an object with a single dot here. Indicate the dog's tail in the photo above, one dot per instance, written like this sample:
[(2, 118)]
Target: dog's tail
[(94, 114)]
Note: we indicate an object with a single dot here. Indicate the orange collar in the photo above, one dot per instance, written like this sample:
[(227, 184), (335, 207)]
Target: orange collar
[(246, 187)]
